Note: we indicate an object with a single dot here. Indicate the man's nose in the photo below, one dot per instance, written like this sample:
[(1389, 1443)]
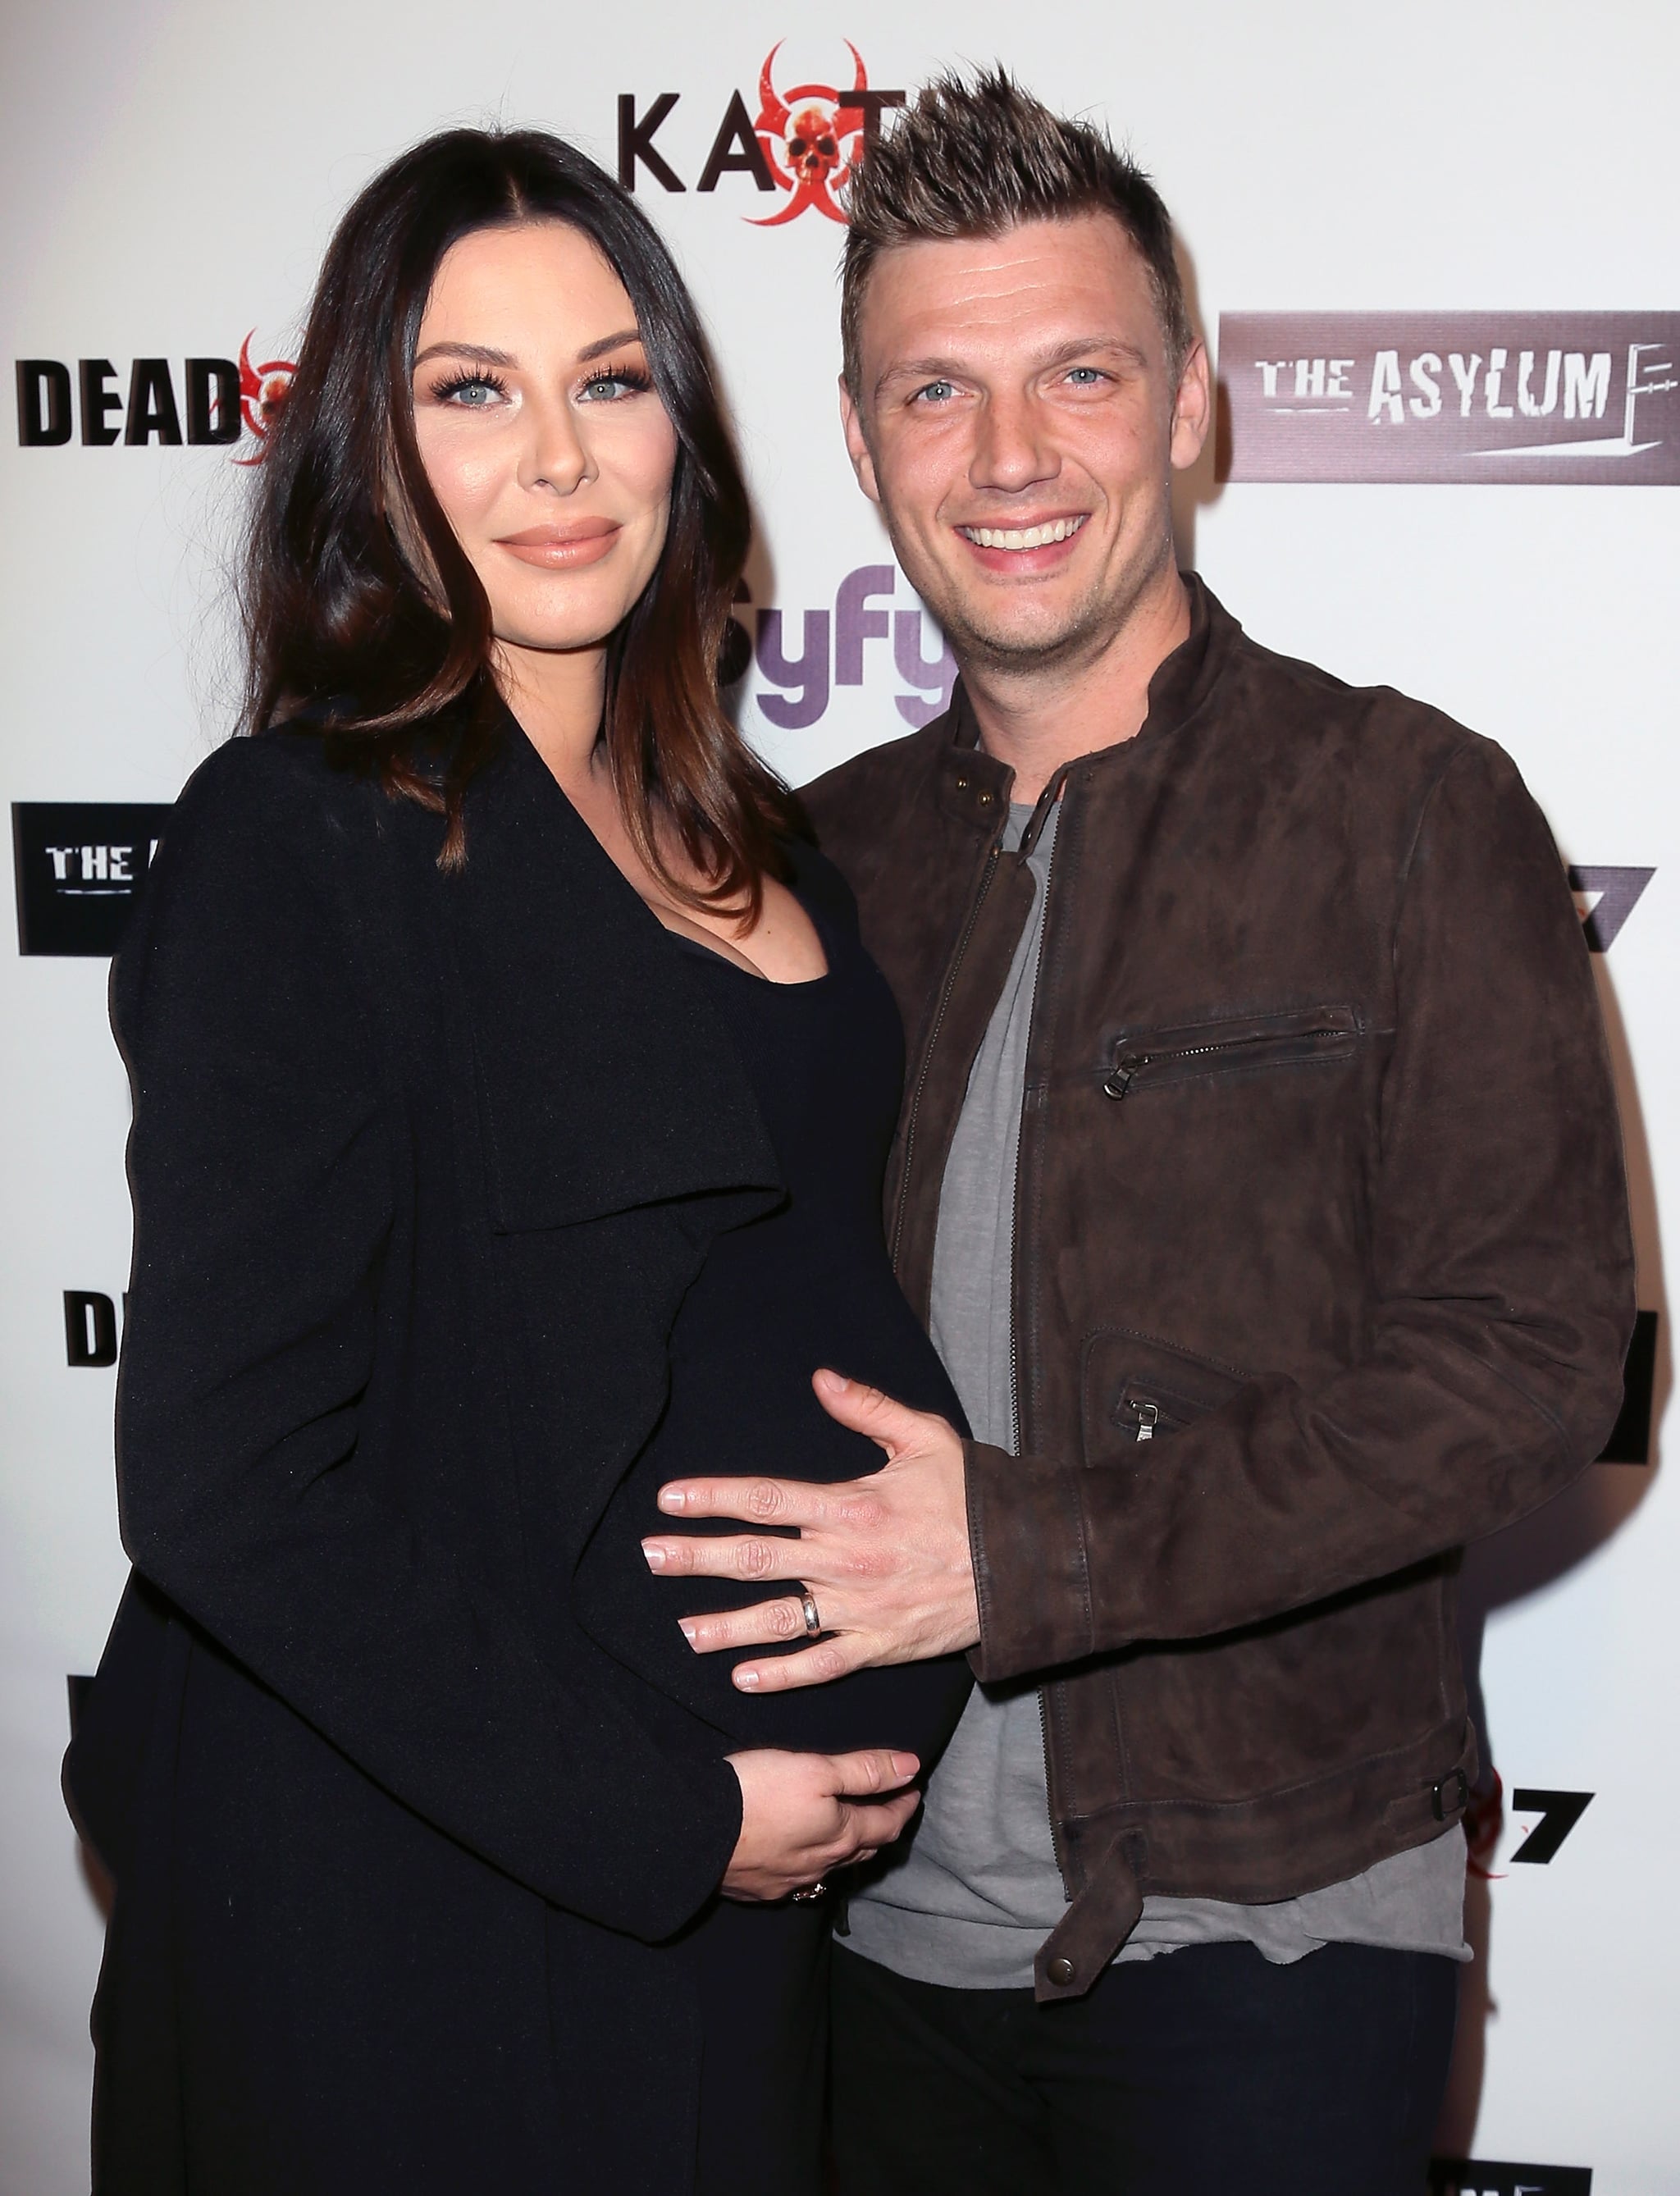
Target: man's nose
[(556, 453), (1012, 450)]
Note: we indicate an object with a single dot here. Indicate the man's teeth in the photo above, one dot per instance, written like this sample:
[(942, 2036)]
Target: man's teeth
[(1024, 537)]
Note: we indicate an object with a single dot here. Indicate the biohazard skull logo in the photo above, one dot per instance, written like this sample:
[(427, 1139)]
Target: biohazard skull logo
[(262, 391), (810, 137)]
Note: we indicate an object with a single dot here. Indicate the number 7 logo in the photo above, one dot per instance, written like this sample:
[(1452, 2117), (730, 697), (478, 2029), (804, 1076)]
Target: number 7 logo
[(1559, 1812)]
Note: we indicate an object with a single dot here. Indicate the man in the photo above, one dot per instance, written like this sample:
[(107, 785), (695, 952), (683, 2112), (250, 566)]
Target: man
[(1259, 1178)]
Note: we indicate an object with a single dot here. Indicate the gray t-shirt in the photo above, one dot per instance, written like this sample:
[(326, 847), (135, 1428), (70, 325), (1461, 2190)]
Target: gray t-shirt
[(969, 1898)]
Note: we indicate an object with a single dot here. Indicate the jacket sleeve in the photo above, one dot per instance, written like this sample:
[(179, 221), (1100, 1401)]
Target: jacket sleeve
[(1501, 1300), (262, 1161)]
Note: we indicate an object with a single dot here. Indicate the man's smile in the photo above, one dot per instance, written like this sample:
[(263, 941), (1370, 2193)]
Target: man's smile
[(1044, 545), (1041, 535)]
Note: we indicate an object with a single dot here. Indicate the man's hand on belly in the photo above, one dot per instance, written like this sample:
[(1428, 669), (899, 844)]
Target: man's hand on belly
[(884, 1559)]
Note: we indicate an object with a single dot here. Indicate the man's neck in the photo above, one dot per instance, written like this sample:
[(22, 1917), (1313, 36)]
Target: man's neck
[(1039, 721)]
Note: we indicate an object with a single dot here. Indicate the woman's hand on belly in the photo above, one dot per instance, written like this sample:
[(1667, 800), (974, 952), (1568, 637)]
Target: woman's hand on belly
[(884, 1562), (803, 1814)]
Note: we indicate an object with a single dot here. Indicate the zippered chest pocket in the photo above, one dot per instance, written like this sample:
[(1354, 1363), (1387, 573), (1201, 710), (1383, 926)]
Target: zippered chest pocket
[(1145, 1408), (1137, 1389), (1145, 1060)]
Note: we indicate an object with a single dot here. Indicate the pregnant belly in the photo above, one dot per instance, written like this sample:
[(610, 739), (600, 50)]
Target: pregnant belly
[(737, 1412)]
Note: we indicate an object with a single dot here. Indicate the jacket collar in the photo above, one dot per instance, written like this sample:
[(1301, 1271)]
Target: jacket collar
[(606, 1079), (975, 786)]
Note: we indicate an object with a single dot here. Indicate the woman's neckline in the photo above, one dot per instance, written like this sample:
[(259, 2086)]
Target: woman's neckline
[(753, 975)]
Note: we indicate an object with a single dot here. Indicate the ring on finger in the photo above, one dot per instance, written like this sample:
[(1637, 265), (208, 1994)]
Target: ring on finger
[(808, 1891), (813, 1623)]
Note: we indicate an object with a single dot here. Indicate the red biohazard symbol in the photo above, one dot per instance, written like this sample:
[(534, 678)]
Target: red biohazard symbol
[(810, 137), (262, 394)]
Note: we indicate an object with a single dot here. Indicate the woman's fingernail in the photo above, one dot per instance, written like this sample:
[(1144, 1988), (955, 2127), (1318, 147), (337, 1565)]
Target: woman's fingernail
[(655, 1554), (670, 1498), (906, 1764), (748, 1681), (686, 1629)]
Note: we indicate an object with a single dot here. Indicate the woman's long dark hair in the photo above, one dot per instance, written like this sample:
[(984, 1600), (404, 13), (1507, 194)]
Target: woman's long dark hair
[(341, 631)]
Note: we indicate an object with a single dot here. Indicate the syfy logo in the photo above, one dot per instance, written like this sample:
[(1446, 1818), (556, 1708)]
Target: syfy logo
[(1573, 398), (805, 139), (831, 650), (219, 399), (78, 865), (1479, 2176)]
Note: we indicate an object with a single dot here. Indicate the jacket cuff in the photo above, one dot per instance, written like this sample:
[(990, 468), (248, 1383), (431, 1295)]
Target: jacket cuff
[(1026, 1534)]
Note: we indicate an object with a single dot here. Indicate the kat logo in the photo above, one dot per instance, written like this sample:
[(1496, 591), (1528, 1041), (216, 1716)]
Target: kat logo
[(804, 140)]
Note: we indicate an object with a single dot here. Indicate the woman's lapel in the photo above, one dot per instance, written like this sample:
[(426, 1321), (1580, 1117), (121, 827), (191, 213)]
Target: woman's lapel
[(609, 1081)]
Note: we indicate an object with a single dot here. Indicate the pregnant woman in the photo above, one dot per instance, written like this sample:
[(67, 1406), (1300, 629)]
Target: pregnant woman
[(512, 1097)]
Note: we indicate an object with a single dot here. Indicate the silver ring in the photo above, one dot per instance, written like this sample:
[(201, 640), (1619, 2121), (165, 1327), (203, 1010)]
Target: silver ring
[(807, 1892), (813, 1623)]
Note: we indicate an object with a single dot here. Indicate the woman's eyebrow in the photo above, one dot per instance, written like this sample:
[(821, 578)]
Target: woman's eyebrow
[(485, 355), (480, 354), (599, 349)]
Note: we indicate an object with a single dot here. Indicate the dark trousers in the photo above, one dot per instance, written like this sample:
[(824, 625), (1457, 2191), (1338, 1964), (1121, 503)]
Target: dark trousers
[(1203, 2073), (764, 2011)]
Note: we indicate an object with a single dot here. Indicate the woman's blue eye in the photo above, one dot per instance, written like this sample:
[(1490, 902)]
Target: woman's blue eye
[(470, 392), (607, 388)]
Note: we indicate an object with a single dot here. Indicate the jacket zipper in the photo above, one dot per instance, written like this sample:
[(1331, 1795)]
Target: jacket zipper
[(1030, 839), (948, 987), (1124, 1072), (1053, 792)]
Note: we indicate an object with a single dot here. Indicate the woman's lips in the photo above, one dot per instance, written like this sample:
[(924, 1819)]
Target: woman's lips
[(563, 548)]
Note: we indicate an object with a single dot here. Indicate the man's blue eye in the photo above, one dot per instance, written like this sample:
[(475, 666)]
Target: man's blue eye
[(936, 390), (1085, 375)]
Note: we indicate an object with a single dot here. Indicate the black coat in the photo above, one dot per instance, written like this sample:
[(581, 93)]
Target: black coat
[(422, 1166)]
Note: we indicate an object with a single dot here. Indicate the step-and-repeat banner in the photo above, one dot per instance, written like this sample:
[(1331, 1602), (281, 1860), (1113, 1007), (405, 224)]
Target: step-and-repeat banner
[(1435, 250)]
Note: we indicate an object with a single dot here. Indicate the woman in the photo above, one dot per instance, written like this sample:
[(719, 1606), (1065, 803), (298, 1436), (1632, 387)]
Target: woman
[(511, 1100)]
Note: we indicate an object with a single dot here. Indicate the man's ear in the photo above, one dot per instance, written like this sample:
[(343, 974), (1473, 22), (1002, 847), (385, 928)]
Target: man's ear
[(1192, 408), (856, 448)]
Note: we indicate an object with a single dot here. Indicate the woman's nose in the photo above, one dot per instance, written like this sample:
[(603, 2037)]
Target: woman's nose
[(556, 455)]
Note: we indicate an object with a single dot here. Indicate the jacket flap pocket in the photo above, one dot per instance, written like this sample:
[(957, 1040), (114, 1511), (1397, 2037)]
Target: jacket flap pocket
[(1136, 1388), (1231, 1045)]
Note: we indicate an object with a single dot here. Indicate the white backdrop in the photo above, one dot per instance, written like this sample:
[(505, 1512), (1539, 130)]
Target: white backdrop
[(170, 174)]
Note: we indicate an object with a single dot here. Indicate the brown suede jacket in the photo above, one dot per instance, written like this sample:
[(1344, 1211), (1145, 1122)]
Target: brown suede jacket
[(1322, 1260)]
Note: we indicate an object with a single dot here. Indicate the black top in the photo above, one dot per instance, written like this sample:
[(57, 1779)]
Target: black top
[(807, 1285), (425, 1167)]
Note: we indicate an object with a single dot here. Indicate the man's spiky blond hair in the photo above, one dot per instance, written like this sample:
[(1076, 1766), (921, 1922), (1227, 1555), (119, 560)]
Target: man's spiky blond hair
[(975, 156)]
